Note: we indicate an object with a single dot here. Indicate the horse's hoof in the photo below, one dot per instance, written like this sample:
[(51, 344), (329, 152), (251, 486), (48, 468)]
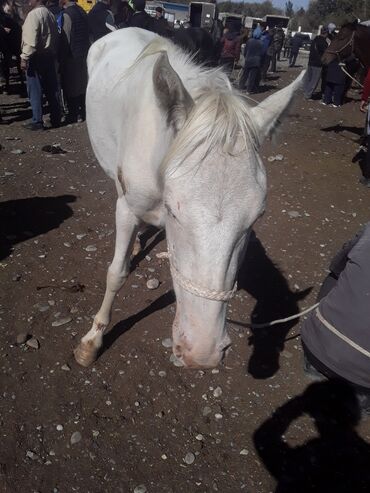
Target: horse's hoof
[(85, 353)]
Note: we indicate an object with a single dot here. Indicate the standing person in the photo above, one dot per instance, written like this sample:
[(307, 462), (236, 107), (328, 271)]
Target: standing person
[(253, 53), (287, 44), (73, 54), (266, 39), (279, 37), (335, 85), (101, 20), (365, 108), (296, 44), (314, 69), (161, 25), (38, 59), (140, 18), (230, 51)]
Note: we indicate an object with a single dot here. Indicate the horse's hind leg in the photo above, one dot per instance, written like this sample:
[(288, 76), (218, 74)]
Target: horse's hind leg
[(126, 229)]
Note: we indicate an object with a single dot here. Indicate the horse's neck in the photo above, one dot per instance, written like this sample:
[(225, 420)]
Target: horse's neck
[(363, 43)]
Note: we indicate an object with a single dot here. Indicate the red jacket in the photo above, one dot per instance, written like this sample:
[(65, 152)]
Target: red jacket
[(366, 90)]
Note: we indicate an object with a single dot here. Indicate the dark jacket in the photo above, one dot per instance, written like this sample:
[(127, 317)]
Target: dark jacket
[(97, 18), (318, 46), (278, 38), (253, 52), (296, 43), (335, 74), (143, 20), (347, 309), (161, 27), (266, 39), (79, 37)]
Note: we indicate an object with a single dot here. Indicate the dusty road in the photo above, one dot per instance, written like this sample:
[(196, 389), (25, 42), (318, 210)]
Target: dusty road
[(137, 422)]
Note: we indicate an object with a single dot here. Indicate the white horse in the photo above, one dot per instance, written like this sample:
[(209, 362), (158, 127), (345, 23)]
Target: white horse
[(181, 146)]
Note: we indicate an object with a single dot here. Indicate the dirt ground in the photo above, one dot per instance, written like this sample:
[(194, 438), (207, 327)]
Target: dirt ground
[(255, 424)]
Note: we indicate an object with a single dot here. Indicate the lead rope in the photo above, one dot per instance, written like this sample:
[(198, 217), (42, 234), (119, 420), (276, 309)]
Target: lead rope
[(342, 66)]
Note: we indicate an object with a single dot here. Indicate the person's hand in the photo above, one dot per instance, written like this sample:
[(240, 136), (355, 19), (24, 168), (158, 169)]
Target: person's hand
[(363, 106), (24, 64), (7, 29)]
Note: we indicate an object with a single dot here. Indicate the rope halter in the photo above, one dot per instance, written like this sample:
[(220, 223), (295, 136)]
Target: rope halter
[(200, 291)]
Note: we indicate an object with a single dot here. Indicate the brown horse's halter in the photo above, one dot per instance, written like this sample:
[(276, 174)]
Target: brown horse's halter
[(350, 43)]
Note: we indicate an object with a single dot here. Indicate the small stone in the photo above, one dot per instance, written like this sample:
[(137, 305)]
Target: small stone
[(199, 437), (286, 354), (61, 321), (148, 258), (91, 248), (42, 307), (206, 411), (270, 159), (66, 367), (279, 157), (17, 151), (244, 452), (217, 392), (51, 302), (162, 255), (152, 283), (33, 343), (293, 214), (140, 489), (79, 237), (189, 458), (167, 342), (31, 455), (67, 244), (95, 433), (176, 361), (17, 277), (162, 373), (218, 416), (52, 453), (215, 370), (22, 338), (164, 456), (60, 427), (76, 437)]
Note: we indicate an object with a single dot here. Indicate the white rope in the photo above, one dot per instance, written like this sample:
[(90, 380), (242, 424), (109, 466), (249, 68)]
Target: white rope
[(283, 320), (349, 75)]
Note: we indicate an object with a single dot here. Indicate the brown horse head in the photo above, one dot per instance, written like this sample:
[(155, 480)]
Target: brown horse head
[(352, 39)]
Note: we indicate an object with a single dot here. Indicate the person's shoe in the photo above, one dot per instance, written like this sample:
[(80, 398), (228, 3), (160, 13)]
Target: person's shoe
[(34, 126), (335, 105), (323, 102), (365, 181)]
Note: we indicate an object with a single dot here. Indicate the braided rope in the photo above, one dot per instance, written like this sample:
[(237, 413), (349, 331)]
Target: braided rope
[(209, 294)]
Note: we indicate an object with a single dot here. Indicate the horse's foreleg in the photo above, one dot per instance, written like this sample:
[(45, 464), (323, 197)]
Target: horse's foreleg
[(126, 228)]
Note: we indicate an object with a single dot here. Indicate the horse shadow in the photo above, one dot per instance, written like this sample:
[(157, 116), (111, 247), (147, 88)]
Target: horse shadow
[(274, 300), (123, 326), (23, 219), (336, 459), (345, 128)]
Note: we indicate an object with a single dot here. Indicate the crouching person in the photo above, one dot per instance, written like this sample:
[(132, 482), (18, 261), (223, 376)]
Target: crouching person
[(335, 337)]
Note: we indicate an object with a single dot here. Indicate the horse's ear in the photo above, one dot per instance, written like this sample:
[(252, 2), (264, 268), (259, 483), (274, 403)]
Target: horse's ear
[(171, 94)]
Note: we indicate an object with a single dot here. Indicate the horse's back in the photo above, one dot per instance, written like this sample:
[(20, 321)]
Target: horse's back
[(107, 99)]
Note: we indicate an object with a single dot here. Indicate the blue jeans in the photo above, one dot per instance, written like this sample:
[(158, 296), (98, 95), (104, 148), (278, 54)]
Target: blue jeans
[(42, 78)]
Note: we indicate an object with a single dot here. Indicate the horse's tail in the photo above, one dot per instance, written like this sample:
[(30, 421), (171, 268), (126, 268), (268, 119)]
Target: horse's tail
[(267, 115)]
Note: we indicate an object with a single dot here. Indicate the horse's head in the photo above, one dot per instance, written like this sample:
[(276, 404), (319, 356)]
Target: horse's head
[(342, 45), (214, 190)]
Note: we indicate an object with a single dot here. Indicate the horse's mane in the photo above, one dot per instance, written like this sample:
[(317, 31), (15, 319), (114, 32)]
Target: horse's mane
[(220, 118)]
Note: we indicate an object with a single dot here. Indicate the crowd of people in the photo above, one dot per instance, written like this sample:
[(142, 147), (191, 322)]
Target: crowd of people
[(52, 46)]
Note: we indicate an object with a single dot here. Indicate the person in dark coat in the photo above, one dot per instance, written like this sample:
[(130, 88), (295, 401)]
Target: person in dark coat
[(277, 40), (335, 337), (73, 67), (287, 44), (101, 20), (160, 24), (140, 18), (253, 53), (313, 74), (296, 44), (335, 84)]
